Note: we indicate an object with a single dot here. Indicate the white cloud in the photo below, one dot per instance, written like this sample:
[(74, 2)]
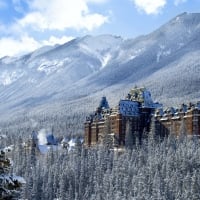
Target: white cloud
[(97, 1), (12, 47), (47, 17), (15, 47), (150, 6), (62, 14), (177, 2)]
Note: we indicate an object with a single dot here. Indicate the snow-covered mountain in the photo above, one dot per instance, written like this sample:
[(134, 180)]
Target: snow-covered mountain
[(166, 61)]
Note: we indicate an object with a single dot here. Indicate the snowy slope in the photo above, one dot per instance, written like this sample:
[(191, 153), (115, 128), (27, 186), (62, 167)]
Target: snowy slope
[(166, 61)]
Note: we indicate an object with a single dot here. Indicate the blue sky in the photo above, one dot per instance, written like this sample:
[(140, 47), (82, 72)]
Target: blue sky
[(26, 25)]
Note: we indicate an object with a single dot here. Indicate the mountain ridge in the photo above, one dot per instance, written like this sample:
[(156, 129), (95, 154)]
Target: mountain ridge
[(94, 65)]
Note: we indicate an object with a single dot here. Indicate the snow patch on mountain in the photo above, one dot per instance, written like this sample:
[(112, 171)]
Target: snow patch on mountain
[(135, 53), (125, 55), (85, 48), (32, 81), (101, 43), (51, 66), (106, 59), (8, 77), (161, 54)]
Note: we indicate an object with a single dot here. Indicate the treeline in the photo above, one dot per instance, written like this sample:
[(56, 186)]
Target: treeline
[(60, 124), (167, 169)]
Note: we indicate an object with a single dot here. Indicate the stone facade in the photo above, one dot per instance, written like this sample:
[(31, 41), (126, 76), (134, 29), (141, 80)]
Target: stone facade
[(110, 125), (185, 120), (133, 116)]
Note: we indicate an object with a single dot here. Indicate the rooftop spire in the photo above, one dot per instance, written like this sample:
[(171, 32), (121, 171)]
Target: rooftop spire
[(104, 103)]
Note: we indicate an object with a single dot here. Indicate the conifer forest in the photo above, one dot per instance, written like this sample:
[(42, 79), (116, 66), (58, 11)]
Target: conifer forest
[(158, 168)]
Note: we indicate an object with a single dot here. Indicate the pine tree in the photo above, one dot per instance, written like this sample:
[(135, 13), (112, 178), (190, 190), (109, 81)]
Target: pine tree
[(195, 184), (9, 184)]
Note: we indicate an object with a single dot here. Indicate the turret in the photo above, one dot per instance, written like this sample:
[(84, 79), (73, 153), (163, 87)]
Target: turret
[(103, 103)]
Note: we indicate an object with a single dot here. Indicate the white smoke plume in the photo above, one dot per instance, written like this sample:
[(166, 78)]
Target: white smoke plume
[(42, 139)]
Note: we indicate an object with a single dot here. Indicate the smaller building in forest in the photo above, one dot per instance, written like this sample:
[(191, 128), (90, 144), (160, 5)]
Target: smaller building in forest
[(131, 119), (41, 142)]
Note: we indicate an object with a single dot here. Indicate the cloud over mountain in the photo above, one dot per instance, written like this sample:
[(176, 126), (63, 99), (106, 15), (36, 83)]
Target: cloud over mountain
[(149, 6), (61, 14)]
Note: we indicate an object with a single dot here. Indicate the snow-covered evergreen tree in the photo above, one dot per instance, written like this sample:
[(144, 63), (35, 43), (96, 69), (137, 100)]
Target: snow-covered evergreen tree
[(9, 184)]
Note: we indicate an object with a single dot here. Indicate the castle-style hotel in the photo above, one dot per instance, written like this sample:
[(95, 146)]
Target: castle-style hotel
[(132, 117)]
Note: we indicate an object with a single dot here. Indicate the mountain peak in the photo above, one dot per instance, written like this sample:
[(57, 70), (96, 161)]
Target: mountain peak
[(187, 18), (102, 63)]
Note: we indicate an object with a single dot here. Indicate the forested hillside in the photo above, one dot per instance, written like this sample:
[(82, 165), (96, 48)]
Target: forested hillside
[(167, 169)]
